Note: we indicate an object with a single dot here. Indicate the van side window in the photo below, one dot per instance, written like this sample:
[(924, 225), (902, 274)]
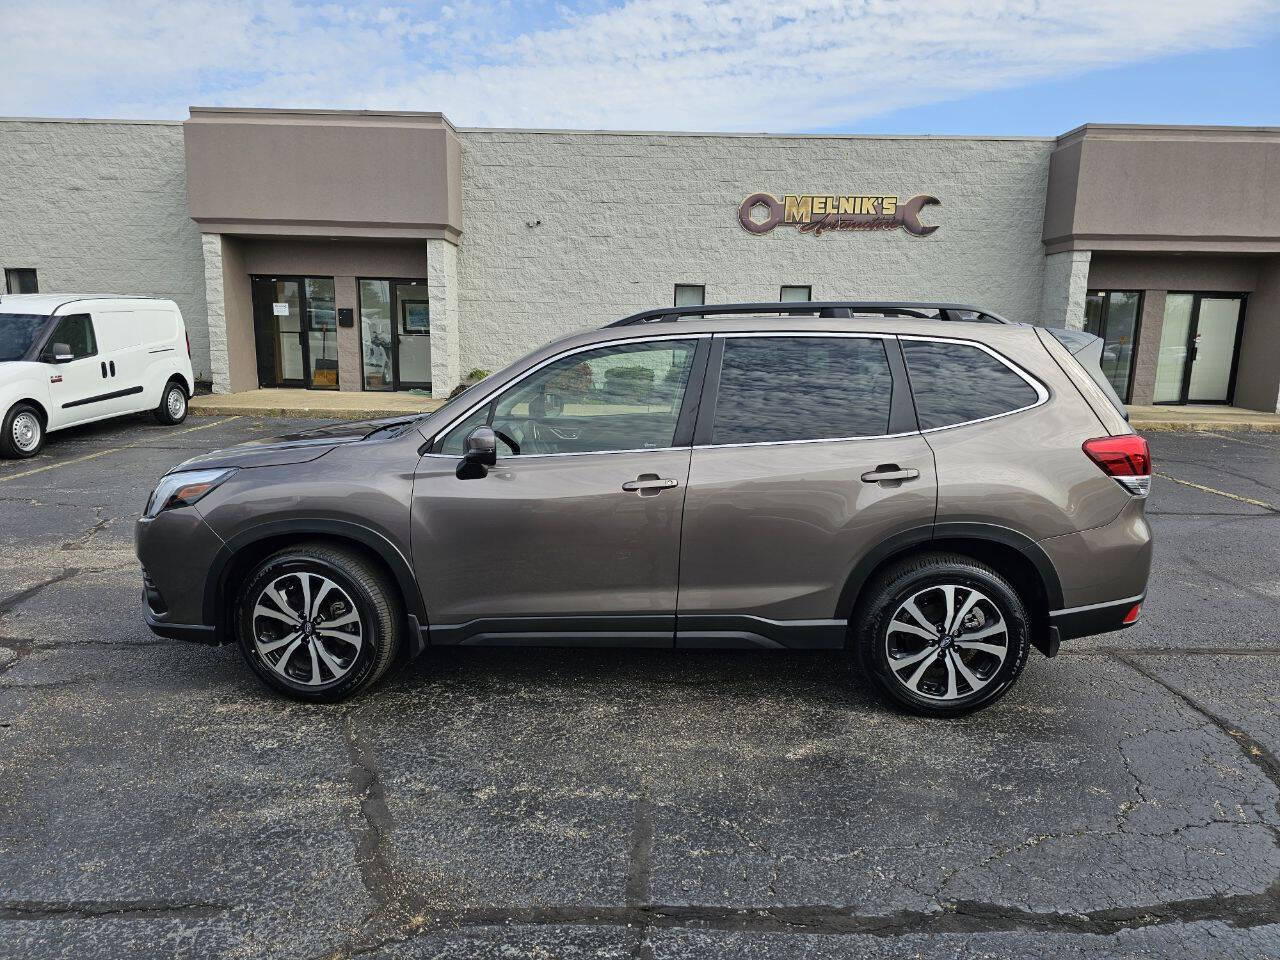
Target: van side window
[(76, 331), (774, 389), (956, 383)]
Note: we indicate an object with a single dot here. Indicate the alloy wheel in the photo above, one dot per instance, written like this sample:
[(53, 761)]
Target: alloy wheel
[(26, 431), (307, 629), (946, 642)]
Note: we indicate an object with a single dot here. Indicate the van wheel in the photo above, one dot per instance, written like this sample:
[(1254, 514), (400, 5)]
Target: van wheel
[(23, 433), (173, 404), (943, 634), (318, 622)]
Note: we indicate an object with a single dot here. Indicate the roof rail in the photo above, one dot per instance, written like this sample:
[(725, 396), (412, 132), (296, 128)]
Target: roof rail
[(829, 309)]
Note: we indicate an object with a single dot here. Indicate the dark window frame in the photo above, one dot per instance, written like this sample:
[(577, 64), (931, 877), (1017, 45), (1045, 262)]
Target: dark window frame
[(10, 273), (675, 293), (1194, 327), (393, 303), (1137, 330), (1041, 391)]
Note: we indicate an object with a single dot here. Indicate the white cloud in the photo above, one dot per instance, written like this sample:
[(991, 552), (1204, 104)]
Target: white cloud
[(660, 64)]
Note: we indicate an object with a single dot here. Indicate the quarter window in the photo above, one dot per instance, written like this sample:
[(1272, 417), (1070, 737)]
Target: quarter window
[(76, 331), (622, 397), (955, 383), (775, 389)]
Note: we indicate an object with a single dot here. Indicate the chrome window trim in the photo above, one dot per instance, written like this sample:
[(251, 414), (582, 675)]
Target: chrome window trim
[(779, 443), (1042, 392), (521, 458), (657, 338)]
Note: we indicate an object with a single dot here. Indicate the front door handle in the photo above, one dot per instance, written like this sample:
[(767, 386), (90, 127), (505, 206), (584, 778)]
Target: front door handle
[(648, 484), (890, 471)]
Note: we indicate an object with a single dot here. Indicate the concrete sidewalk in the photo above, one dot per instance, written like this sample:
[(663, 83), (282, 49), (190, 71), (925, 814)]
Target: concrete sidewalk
[(312, 404), (1203, 417)]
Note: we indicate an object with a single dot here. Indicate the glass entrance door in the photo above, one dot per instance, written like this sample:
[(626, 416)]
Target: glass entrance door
[(1199, 342), (1113, 315), (395, 334), (296, 331)]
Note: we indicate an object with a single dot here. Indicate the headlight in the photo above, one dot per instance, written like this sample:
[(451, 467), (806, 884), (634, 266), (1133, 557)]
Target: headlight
[(183, 489)]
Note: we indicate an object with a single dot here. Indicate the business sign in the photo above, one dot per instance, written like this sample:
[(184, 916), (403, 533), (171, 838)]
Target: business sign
[(817, 213)]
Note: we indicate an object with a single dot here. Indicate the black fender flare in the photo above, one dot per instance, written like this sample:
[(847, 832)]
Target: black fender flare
[(387, 551), (916, 536)]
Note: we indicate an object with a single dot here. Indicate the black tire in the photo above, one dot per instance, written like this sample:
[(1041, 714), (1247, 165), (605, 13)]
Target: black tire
[(22, 433), (924, 580), (360, 584), (173, 404)]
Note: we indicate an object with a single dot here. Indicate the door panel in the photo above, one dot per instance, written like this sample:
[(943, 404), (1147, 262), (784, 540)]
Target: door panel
[(1175, 332), (774, 530), (1214, 350), (549, 536)]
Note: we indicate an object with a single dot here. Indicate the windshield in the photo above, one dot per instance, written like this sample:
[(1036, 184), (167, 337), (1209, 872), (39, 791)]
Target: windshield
[(17, 332)]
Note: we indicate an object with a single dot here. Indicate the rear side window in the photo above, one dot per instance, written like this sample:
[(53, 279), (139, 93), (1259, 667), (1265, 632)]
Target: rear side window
[(955, 383), (774, 389)]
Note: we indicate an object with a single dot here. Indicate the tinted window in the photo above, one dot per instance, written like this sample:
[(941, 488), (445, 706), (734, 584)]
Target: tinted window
[(624, 397), (953, 383), (17, 333), (802, 388), (76, 332)]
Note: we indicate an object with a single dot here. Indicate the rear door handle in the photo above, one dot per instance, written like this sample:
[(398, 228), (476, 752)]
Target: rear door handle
[(890, 471), (649, 482)]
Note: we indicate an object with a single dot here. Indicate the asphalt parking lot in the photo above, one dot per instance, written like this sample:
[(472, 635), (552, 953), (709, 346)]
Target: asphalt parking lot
[(155, 800)]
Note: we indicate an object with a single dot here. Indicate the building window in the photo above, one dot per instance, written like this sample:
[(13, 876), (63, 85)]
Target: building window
[(795, 294), (20, 280), (1113, 315), (690, 294)]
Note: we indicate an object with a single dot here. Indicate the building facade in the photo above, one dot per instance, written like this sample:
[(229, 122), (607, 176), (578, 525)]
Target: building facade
[(382, 251)]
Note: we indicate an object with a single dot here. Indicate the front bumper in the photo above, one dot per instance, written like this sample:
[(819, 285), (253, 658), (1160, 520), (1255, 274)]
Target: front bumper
[(176, 549)]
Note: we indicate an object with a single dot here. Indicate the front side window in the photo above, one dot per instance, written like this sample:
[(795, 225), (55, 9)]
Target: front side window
[(623, 397), (18, 331), (956, 382), (76, 331), (775, 389)]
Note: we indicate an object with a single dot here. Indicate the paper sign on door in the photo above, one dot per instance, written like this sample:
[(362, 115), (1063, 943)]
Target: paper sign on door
[(280, 309)]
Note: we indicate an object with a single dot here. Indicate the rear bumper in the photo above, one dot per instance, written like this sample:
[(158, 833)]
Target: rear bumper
[(1093, 618)]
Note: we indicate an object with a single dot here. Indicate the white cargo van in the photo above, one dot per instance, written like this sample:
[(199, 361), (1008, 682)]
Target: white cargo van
[(67, 360)]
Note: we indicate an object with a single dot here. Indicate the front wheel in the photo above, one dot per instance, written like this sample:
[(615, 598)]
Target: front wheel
[(22, 435), (943, 634), (173, 404), (318, 622)]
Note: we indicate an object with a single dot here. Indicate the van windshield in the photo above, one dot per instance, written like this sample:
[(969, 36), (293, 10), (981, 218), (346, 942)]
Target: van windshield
[(18, 332)]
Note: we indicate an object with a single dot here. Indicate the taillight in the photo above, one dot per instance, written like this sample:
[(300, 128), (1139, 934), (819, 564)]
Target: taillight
[(1127, 458)]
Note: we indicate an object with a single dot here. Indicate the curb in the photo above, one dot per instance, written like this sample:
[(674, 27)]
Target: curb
[(1201, 426), (301, 413)]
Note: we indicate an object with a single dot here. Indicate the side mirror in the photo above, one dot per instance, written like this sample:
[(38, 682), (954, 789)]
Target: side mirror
[(58, 353), (479, 452)]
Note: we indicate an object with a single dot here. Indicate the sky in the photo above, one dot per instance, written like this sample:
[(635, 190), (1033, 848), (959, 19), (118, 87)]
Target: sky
[(1019, 67)]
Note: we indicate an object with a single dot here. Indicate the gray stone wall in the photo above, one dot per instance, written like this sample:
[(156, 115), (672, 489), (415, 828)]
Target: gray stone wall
[(101, 207), (563, 231)]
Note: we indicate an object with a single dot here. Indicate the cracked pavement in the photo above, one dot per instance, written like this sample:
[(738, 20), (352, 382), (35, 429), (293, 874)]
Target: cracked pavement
[(1122, 801)]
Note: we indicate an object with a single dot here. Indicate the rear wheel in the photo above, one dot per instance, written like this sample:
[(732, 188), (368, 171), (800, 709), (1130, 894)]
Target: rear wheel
[(173, 404), (318, 622), (943, 634), (23, 432)]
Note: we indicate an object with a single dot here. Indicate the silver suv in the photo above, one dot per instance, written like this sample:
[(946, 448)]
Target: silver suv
[(926, 485)]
